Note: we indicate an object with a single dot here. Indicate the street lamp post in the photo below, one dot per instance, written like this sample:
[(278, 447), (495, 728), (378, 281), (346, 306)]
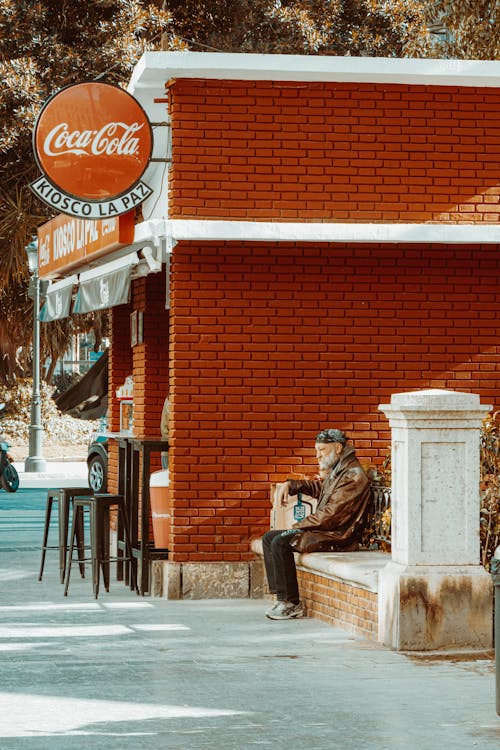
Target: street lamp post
[(35, 460)]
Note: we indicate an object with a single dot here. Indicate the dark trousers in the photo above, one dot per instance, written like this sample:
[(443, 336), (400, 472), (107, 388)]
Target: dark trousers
[(280, 565)]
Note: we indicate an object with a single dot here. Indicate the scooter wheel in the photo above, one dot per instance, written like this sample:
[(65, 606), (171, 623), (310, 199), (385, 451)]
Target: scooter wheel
[(9, 478)]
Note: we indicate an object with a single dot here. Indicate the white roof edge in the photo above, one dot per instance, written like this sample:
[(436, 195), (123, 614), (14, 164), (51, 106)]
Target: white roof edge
[(154, 69), (174, 230), (149, 230), (257, 231)]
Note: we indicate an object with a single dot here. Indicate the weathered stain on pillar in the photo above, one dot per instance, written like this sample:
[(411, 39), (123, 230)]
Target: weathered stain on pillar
[(431, 612)]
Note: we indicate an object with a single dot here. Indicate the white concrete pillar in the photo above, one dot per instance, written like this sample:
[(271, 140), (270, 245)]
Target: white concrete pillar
[(434, 594)]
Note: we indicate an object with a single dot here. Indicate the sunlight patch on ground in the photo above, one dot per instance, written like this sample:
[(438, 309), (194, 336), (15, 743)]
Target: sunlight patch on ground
[(127, 605), (165, 626), (62, 631), (68, 607), (79, 631), (13, 575), (22, 646), (24, 715), (49, 607)]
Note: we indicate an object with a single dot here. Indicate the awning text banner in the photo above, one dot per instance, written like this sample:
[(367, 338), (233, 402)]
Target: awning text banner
[(65, 243)]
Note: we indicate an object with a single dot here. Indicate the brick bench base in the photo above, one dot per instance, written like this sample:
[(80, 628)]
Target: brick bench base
[(340, 588), (339, 603)]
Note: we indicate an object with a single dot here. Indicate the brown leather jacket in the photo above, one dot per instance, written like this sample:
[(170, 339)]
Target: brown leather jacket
[(340, 516)]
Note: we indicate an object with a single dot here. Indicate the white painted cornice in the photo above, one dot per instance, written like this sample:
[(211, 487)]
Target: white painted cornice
[(154, 69), (161, 235), (263, 231)]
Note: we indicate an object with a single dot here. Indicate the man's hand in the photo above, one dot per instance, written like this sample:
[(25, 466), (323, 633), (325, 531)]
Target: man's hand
[(282, 497)]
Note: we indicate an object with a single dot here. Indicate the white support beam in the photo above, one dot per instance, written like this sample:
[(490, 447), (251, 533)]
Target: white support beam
[(263, 231)]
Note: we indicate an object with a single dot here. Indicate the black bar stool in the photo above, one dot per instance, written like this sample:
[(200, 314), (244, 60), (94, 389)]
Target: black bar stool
[(67, 496), (64, 498), (98, 507), (52, 497)]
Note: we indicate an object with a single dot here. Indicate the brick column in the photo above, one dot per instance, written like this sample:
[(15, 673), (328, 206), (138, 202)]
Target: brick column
[(151, 357), (120, 365)]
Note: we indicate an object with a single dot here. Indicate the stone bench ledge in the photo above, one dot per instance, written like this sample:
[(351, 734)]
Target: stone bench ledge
[(357, 568)]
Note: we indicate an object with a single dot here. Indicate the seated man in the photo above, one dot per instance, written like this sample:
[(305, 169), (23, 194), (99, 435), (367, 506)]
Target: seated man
[(343, 493)]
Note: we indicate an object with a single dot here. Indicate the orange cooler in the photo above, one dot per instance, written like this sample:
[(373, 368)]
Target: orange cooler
[(159, 494)]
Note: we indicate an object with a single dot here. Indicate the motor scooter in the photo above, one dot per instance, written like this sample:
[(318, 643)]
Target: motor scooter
[(9, 478)]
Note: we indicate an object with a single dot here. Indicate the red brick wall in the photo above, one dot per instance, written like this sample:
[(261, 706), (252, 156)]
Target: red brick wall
[(147, 362), (334, 152), (270, 343), (150, 359), (341, 604)]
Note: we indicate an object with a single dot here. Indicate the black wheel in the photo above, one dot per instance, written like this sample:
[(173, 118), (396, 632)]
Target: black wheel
[(98, 474), (9, 478)]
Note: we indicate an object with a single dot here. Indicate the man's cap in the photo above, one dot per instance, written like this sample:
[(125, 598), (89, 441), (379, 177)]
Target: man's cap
[(331, 436)]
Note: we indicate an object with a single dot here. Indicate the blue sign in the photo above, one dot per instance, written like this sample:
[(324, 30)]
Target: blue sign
[(299, 511)]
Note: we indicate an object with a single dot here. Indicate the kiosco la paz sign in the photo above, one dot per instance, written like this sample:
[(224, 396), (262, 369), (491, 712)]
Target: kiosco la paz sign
[(92, 142), (65, 242), (85, 209)]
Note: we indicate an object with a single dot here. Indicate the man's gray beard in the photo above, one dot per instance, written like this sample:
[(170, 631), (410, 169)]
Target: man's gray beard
[(328, 463)]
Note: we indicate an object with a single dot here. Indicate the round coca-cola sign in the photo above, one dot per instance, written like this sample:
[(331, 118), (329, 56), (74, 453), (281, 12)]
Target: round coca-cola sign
[(93, 142)]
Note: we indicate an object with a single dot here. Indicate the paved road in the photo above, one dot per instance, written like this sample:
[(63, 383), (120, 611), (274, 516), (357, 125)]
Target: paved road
[(130, 673)]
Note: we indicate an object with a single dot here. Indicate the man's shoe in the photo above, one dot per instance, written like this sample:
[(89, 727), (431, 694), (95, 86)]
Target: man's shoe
[(272, 609), (285, 611)]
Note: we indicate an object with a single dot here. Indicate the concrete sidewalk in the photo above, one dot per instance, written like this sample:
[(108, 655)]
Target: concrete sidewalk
[(132, 673), (57, 474)]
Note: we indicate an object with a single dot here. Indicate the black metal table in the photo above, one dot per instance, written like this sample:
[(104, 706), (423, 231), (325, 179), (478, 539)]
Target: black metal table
[(134, 475), (124, 485)]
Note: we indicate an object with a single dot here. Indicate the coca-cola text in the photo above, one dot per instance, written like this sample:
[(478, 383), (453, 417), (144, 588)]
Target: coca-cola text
[(112, 138)]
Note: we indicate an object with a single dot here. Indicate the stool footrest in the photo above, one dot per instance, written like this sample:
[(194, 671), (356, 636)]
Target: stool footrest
[(98, 506)]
